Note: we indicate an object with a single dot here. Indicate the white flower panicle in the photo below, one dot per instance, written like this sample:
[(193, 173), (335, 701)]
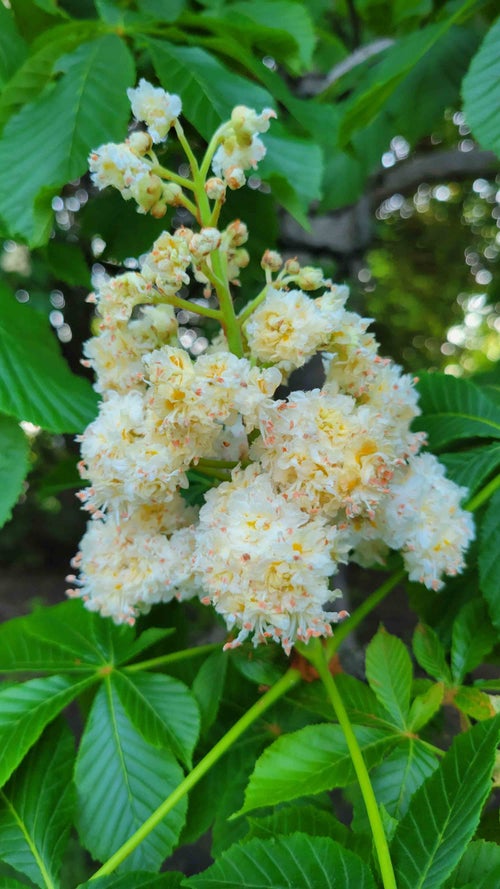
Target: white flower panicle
[(296, 485)]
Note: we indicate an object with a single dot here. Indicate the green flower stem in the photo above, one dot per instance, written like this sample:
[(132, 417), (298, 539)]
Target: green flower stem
[(173, 657), (320, 661), (209, 153), (189, 306), (164, 173), (484, 494), (361, 611), (281, 687), (193, 163), (251, 306)]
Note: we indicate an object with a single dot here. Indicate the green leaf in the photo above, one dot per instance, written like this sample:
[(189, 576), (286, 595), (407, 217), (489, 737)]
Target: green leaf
[(389, 673), (481, 91), (303, 819), (208, 89), (14, 465), (425, 706), (290, 19), (12, 45), (294, 169), (479, 859), (36, 807), (489, 564), (454, 409), (136, 880), (148, 638), (67, 263), (83, 109), (61, 477), (473, 638), (120, 781), (299, 860), (35, 72), (310, 760), (63, 637), (35, 381), (473, 702), (430, 654), (381, 80), (444, 812), (161, 11), (25, 710), (397, 778), (208, 687), (162, 709), (472, 467)]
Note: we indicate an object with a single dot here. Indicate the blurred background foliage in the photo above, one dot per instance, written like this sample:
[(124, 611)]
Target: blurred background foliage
[(383, 167)]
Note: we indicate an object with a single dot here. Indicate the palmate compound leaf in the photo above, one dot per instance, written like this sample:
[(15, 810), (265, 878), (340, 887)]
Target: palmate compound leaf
[(36, 807), (293, 862), (444, 812), (454, 409), (14, 464), (310, 760), (162, 709), (25, 710), (120, 780), (398, 777), (389, 673), (473, 637), (477, 863), (64, 637), (84, 108), (36, 384), (489, 563), (471, 468), (481, 91)]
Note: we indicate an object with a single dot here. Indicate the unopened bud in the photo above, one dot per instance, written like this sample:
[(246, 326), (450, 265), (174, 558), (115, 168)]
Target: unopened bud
[(205, 242), (292, 266), (215, 189), (172, 194), (237, 233), (140, 142), (271, 260), (310, 278), (235, 178), (241, 258)]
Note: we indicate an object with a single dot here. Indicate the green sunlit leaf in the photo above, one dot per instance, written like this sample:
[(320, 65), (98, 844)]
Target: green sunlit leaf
[(489, 563), (473, 638), (14, 464), (36, 384), (84, 108), (299, 860), (310, 760), (162, 709), (445, 810), (481, 91), (121, 779), (25, 710), (36, 807), (454, 409), (389, 673)]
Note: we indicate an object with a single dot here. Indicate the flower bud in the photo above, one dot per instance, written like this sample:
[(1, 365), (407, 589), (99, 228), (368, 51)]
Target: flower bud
[(140, 142), (292, 266), (205, 242), (310, 278), (172, 194), (237, 233), (215, 189), (271, 260), (235, 178)]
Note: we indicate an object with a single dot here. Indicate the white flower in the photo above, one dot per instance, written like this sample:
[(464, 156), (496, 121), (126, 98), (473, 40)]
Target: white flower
[(166, 264), (423, 518), (159, 110), (264, 563), (241, 148), (117, 165), (128, 565)]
